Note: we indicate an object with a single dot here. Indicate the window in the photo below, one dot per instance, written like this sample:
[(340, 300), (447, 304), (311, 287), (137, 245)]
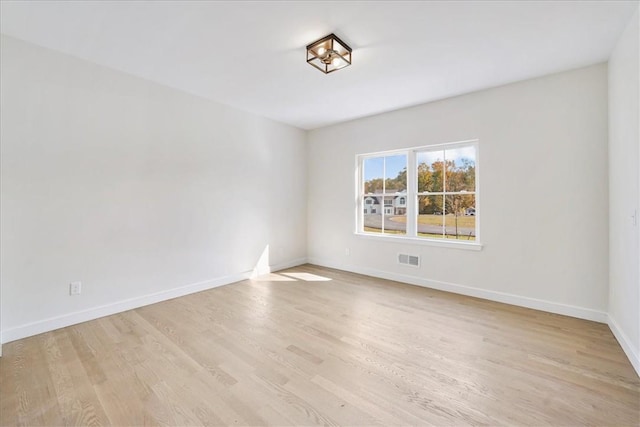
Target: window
[(426, 193), (384, 178)]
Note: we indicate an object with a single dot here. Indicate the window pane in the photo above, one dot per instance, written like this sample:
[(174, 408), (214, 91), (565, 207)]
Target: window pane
[(373, 224), (395, 224), (430, 216), (461, 169), (395, 173), (395, 214), (445, 182), (372, 214), (430, 171), (371, 205), (460, 218), (373, 170)]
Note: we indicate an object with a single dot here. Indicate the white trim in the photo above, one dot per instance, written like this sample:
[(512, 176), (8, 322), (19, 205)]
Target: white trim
[(476, 194), (411, 212), (52, 323), (418, 148), (288, 264), (444, 243), (625, 343), (411, 230), (69, 319), (277, 267), (534, 303)]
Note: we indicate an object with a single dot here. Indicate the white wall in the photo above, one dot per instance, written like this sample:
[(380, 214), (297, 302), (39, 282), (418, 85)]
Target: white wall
[(134, 189), (624, 191), (543, 183), (144, 193)]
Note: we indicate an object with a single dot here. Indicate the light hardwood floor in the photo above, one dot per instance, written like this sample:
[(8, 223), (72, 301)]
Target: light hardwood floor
[(290, 349)]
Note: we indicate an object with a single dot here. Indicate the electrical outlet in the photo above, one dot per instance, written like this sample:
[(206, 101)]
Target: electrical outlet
[(347, 251), (75, 288)]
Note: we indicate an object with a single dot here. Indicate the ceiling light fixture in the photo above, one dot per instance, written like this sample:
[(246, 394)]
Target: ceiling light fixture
[(329, 54)]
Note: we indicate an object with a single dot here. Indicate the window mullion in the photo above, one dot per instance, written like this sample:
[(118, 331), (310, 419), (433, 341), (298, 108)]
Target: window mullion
[(412, 198), (360, 195), (444, 194), (384, 192)]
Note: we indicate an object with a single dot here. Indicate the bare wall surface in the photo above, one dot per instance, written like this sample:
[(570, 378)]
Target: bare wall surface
[(133, 188), (624, 191), (543, 193)]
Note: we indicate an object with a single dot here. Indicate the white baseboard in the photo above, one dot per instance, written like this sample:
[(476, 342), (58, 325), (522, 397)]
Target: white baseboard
[(625, 343), (537, 304), (288, 264), (277, 267), (57, 322)]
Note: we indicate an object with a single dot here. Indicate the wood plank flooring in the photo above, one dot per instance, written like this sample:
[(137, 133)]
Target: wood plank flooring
[(315, 346)]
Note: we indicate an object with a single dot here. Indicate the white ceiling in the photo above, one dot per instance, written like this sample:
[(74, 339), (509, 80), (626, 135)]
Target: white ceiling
[(251, 55)]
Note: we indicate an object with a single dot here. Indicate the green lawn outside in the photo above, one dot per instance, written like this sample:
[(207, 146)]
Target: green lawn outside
[(450, 220), (465, 225), (377, 230)]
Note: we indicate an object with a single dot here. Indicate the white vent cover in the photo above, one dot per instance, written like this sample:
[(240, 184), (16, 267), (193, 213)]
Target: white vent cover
[(406, 259)]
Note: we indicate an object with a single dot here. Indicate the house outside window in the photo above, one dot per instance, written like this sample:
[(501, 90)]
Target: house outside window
[(383, 180), (427, 193)]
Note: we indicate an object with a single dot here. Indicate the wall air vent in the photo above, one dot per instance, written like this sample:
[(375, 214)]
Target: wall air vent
[(406, 259)]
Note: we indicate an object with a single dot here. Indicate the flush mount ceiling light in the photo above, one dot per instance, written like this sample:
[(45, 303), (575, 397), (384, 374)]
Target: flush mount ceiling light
[(329, 54)]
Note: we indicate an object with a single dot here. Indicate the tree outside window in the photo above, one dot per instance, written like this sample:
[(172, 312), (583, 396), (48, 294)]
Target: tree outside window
[(428, 192)]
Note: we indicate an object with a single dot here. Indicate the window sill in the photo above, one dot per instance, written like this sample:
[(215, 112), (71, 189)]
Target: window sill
[(469, 246)]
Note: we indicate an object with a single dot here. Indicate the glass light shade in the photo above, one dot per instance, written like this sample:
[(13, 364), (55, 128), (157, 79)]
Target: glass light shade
[(329, 54)]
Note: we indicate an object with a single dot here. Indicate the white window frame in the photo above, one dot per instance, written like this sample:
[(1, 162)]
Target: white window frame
[(412, 198)]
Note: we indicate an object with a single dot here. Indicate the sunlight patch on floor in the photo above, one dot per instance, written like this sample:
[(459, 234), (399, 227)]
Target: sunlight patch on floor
[(289, 277), (307, 277)]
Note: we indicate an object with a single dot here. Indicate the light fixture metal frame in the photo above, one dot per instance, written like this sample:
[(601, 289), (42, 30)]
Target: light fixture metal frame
[(331, 53)]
